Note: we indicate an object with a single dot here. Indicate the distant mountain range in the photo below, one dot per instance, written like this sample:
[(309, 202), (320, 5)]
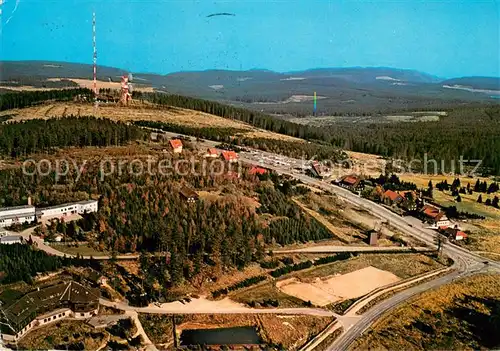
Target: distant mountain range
[(356, 89)]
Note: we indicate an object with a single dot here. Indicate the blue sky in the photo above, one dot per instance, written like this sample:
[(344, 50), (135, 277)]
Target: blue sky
[(445, 38)]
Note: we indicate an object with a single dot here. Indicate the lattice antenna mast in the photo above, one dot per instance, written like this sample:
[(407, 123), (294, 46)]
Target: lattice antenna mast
[(95, 56)]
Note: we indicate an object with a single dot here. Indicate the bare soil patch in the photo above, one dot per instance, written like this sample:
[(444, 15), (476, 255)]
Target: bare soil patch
[(322, 292)]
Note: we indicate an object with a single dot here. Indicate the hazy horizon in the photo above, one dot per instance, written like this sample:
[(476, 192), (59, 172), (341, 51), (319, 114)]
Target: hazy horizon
[(447, 40)]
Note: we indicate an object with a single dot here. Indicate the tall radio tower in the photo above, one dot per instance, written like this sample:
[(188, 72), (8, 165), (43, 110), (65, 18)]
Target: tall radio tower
[(95, 56)]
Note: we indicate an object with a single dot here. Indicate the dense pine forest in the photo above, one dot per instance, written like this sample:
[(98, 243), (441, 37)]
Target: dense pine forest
[(29, 98), (27, 137), (147, 213), (20, 262)]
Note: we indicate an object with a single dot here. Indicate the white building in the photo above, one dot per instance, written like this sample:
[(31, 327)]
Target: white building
[(87, 206), (64, 210), (11, 239), (16, 215)]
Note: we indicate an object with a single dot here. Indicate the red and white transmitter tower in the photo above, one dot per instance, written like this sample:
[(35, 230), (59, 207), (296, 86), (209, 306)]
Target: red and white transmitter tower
[(126, 92), (95, 57)]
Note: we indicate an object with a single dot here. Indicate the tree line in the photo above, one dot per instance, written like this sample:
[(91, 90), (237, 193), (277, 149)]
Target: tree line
[(22, 262), (147, 213), (29, 98)]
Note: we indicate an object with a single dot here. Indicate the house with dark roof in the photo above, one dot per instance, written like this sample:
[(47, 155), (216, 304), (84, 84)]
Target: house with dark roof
[(176, 145), (351, 182), (47, 305), (188, 194)]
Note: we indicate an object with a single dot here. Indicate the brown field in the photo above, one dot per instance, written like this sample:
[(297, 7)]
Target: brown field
[(141, 111), (485, 242), (367, 164), (336, 231), (322, 292), (89, 84), (29, 88), (290, 331), (456, 316), (265, 291), (349, 224), (403, 265)]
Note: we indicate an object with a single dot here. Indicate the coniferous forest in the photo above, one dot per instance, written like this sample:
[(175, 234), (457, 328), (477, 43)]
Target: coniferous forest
[(29, 98), (142, 212), (36, 135)]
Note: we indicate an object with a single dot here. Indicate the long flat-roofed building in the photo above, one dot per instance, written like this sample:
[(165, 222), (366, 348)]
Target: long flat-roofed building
[(16, 215), (61, 211)]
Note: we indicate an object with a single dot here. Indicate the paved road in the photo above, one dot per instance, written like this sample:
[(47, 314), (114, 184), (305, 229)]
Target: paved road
[(373, 314), (51, 250), (329, 249), (466, 262), (404, 224), (216, 309)]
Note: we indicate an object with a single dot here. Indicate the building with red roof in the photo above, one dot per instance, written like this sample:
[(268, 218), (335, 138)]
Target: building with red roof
[(454, 233), (351, 182), (229, 156), (257, 170), (212, 152), (176, 145), (391, 198), (435, 217)]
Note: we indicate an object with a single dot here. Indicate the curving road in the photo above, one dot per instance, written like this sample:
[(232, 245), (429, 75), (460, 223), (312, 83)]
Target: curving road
[(466, 262)]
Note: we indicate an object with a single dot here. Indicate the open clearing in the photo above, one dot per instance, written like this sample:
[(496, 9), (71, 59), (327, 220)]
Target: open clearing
[(402, 266), (142, 111), (462, 315), (323, 292), (347, 223), (89, 84)]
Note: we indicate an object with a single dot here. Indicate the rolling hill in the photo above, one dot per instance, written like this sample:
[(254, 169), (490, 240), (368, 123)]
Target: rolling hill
[(356, 90)]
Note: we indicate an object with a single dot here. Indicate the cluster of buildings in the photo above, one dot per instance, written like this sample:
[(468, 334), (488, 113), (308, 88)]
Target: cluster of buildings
[(407, 202), (176, 147), (28, 213), (66, 299)]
